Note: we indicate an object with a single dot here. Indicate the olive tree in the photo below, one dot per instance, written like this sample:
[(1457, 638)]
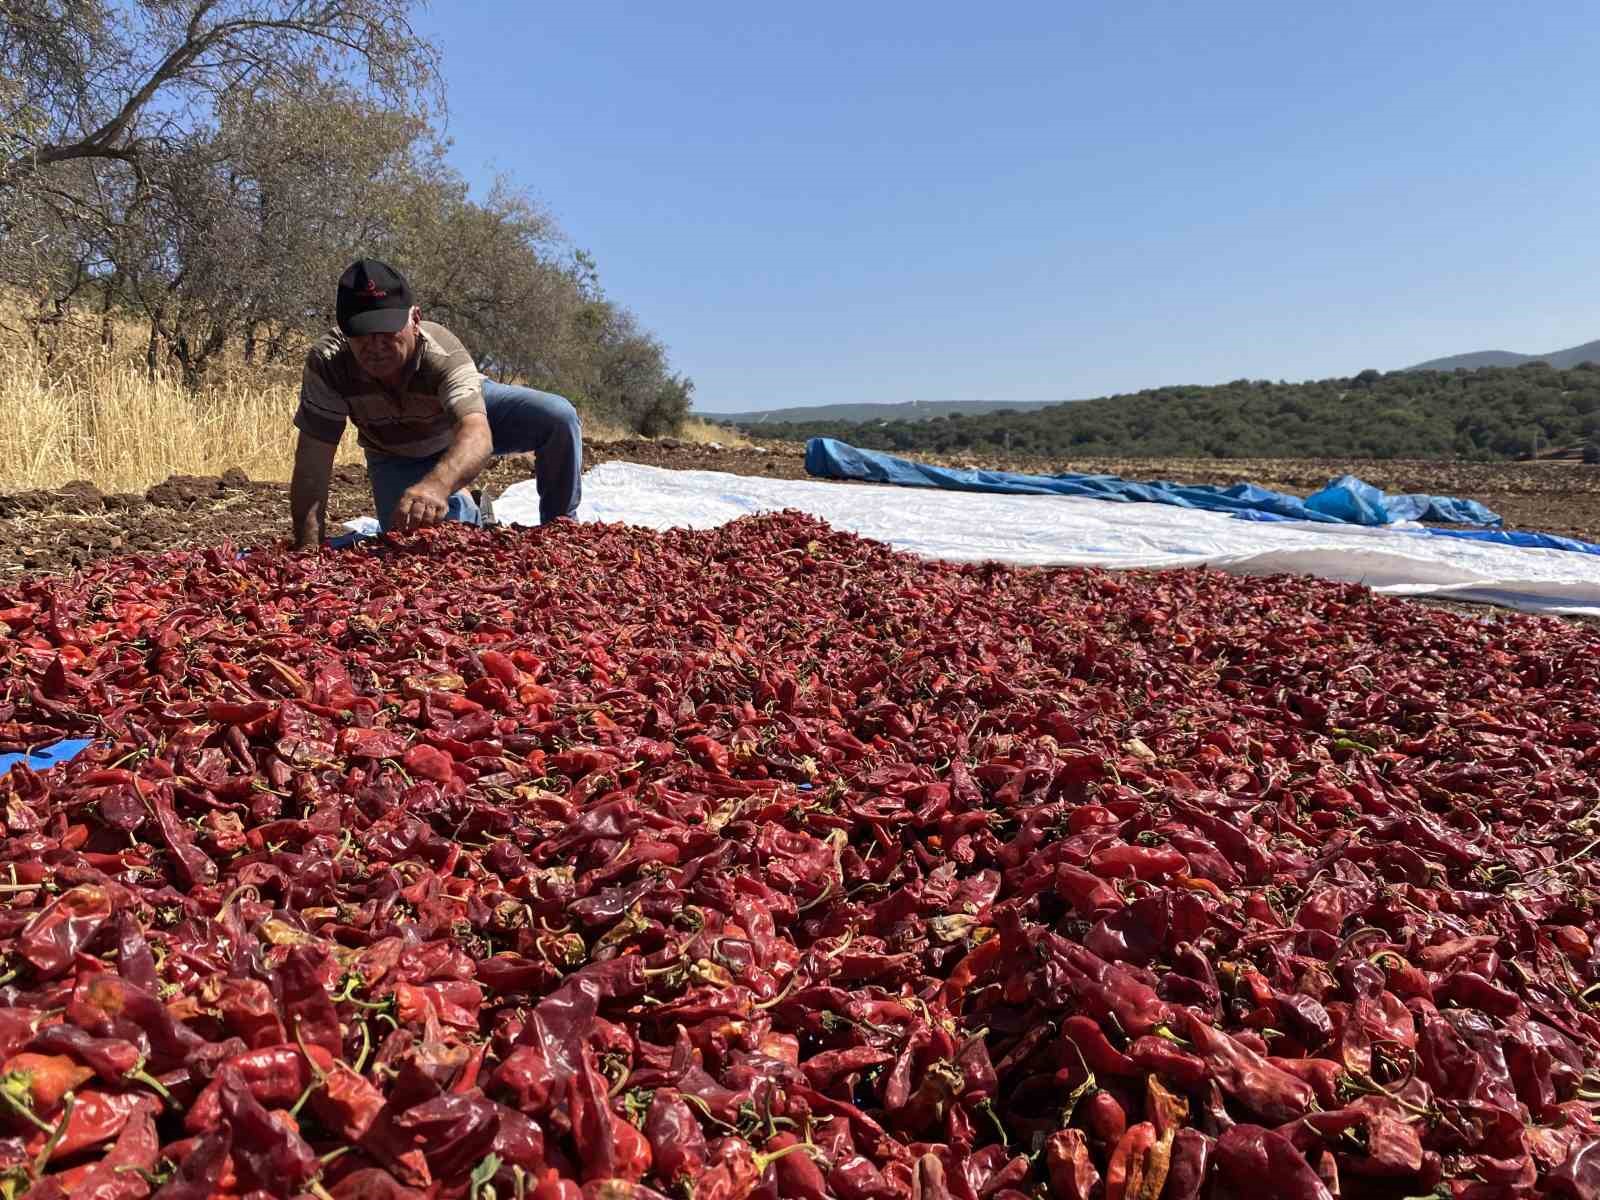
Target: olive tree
[(109, 110)]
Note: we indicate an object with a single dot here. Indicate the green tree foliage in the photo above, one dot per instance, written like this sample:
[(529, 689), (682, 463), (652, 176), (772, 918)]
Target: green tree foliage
[(1483, 414), (210, 166)]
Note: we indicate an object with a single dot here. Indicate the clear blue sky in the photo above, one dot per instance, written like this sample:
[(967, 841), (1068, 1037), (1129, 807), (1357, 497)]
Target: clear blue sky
[(892, 201)]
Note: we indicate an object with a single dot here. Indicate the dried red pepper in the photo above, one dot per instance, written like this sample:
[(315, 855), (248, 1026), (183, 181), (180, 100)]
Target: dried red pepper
[(837, 845)]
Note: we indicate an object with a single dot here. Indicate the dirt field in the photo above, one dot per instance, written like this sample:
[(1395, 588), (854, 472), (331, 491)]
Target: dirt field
[(65, 528)]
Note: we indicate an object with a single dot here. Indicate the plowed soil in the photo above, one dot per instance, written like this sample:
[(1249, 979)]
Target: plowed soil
[(58, 530)]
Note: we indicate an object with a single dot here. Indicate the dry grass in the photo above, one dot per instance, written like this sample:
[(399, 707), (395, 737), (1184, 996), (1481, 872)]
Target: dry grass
[(81, 411), (111, 424), (601, 429), (696, 430), (703, 432)]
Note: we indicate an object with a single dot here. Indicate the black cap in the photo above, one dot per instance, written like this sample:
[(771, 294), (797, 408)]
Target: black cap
[(373, 298)]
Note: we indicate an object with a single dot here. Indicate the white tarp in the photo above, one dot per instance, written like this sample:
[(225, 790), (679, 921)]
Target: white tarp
[(1076, 531)]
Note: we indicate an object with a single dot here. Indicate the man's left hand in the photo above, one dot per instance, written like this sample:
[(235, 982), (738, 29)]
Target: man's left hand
[(424, 503)]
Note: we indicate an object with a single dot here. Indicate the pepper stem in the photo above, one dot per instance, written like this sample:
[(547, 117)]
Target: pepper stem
[(366, 1048), (25, 1112), (781, 996), (318, 1074), (986, 1107), (763, 1161), (140, 1075), (69, 1102)]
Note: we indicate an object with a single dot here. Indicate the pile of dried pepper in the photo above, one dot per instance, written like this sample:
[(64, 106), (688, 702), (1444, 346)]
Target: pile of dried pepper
[(589, 862)]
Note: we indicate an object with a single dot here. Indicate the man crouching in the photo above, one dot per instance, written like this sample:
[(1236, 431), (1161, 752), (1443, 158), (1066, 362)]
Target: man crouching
[(428, 422)]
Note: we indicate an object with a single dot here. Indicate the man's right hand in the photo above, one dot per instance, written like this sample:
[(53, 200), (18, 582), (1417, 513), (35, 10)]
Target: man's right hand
[(421, 504)]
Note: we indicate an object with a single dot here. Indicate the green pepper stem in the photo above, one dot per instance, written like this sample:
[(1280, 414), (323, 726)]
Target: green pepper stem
[(139, 1075), (69, 1102), (25, 1112)]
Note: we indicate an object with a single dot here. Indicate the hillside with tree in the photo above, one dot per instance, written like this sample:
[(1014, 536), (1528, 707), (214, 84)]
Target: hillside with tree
[(1482, 415), (910, 410), (206, 168), (1572, 356)]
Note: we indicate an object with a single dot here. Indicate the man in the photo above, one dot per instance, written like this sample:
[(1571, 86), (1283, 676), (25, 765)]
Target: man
[(427, 420)]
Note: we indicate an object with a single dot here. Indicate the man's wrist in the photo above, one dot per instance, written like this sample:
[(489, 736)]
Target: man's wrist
[(431, 480)]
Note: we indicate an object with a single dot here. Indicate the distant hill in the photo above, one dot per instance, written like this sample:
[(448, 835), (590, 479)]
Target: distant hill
[(1561, 360), (913, 411), (1486, 414)]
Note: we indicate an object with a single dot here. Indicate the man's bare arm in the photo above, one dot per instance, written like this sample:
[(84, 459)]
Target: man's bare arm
[(426, 502), (308, 490)]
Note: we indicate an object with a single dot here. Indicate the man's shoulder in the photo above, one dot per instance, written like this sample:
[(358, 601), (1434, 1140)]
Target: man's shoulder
[(445, 363), (329, 350), (440, 340)]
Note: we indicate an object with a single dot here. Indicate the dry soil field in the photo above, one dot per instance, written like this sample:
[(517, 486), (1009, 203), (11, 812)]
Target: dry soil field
[(64, 528)]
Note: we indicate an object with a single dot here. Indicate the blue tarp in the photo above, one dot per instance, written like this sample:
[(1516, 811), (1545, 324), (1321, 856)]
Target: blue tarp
[(1356, 502), (830, 459), (1499, 537), (48, 756), (1344, 501), (1518, 537)]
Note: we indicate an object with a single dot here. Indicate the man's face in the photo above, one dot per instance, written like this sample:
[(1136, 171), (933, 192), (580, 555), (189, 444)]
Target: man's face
[(382, 354)]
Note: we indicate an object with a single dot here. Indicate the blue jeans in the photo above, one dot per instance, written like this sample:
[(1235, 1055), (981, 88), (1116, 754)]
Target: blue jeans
[(521, 421)]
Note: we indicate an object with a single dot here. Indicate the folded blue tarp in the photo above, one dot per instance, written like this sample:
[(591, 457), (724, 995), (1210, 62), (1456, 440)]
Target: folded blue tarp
[(1345, 501), (47, 756), (830, 459), (1356, 502), (1518, 537), (1500, 537)]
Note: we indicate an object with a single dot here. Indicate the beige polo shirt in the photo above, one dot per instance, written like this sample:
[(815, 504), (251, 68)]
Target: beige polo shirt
[(441, 386)]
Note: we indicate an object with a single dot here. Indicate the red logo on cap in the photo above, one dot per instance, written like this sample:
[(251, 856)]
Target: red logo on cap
[(372, 291)]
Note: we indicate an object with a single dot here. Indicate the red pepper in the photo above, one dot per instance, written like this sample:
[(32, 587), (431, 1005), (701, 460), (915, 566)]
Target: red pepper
[(274, 1076), (1102, 1057), (429, 763), (838, 844), (39, 1081), (677, 1144), (1141, 862), (1321, 1073), (1071, 1171), (347, 1104), (1253, 1159), (455, 1132), (1105, 1118), (359, 743), (552, 1186), (95, 1117), (373, 1183), (118, 1175), (248, 1011), (1126, 1172), (501, 667), (268, 1153), (798, 1176), (17, 1026), (1164, 1058), (631, 1153), (1089, 894), (1191, 1162), (1246, 1075), (112, 1059), (65, 926), (971, 968)]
